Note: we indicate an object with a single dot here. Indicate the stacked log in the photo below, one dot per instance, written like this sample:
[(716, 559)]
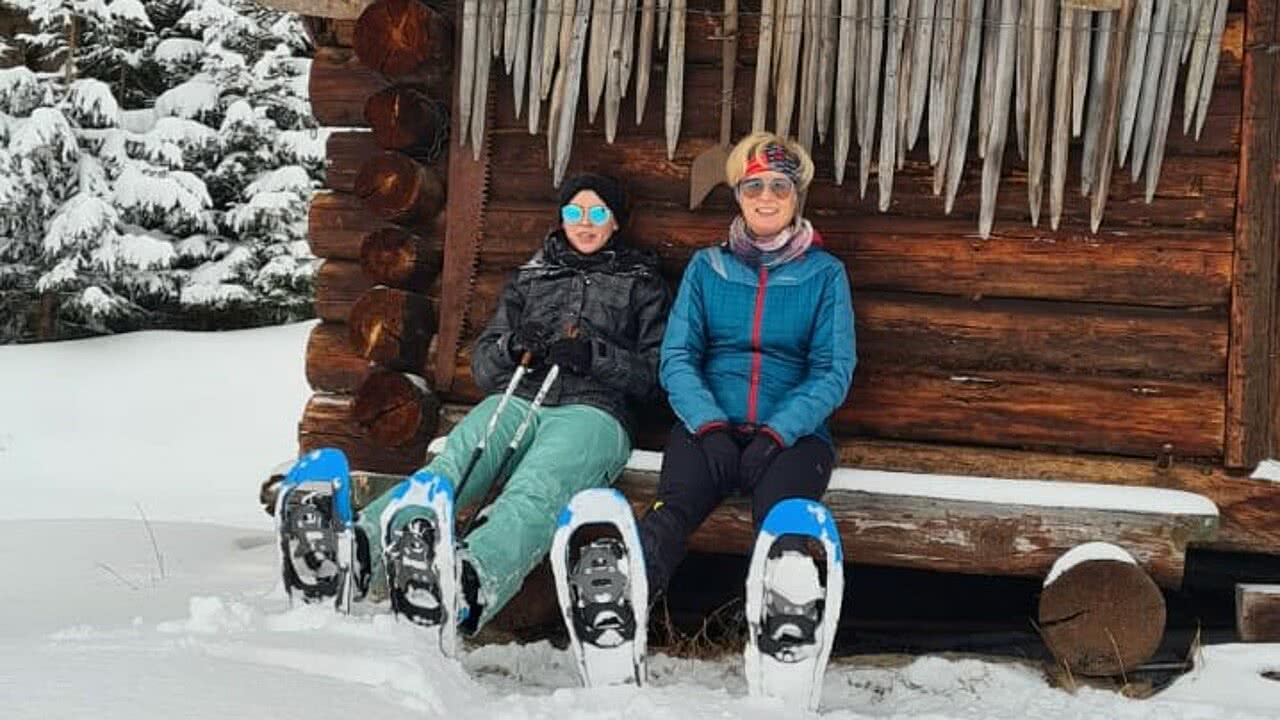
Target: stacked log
[(379, 229)]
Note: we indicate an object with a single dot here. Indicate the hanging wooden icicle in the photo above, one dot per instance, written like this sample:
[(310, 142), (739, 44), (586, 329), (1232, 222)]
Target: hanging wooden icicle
[(868, 71), (845, 55)]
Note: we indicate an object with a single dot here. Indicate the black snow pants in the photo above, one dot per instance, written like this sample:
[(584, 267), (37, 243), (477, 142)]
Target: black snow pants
[(687, 494)]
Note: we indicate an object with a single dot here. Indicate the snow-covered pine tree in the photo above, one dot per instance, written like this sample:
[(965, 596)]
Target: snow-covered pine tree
[(184, 194)]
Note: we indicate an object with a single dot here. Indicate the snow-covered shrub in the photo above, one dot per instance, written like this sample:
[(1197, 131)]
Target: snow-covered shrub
[(158, 163)]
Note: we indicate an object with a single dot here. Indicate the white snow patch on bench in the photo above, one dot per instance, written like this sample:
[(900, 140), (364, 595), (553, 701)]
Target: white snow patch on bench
[(964, 488)]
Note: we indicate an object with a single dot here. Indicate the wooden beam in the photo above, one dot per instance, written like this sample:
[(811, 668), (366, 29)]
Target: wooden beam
[(1124, 416), (341, 9), (340, 85), (1247, 508), (346, 152), (338, 284), (1168, 267), (973, 537), (918, 330), (1251, 369), (1194, 192), (338, 223), (1258, 613)]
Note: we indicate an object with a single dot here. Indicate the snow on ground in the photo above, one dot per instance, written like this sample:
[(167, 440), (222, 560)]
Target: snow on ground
[(181, 615)]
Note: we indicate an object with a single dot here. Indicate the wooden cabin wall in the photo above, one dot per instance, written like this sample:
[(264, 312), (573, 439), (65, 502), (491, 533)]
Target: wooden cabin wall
[(1059, 341), (1115, 342)]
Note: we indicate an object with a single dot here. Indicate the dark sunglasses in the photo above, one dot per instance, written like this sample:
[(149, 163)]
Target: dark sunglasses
[(780, 187), (598, 215)]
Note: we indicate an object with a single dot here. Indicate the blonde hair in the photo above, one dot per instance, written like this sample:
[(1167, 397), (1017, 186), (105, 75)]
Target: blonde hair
[(752, 147)]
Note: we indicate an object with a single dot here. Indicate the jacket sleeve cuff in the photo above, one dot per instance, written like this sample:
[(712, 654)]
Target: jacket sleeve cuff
[(710, 427), (782, 442)]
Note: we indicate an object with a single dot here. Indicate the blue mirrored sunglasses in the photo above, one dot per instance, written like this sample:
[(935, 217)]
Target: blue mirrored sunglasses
[(598, 215)]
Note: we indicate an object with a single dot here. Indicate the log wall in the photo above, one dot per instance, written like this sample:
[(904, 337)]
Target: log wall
[(1033, 340), (1112, 342), (378, 227)]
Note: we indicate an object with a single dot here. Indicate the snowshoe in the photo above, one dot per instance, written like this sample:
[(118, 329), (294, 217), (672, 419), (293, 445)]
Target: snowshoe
[(315, 527)]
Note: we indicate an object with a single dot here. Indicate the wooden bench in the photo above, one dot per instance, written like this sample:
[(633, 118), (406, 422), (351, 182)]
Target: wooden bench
[(1099, 615)]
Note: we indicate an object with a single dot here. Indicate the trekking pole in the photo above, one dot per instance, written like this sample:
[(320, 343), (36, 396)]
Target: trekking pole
[(516, 377), (499, 476)]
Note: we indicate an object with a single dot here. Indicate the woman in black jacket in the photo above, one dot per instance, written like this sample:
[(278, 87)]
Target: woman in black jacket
[(595, 307)]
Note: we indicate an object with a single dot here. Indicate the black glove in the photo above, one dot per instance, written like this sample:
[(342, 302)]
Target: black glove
[(756, 458), (722, 455), (571, 354), (531, 338)]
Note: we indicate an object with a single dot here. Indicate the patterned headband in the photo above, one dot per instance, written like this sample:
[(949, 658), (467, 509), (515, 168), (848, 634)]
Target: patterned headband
[(776, 158)]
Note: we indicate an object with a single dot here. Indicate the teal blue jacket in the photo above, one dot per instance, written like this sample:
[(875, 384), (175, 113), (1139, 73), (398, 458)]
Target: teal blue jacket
[(761, 347)]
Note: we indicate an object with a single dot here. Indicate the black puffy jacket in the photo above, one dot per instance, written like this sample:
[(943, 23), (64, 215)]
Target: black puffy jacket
[(614, 297)]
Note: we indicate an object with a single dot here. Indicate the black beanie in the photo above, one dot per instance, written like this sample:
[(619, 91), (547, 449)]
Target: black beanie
[(609, 190)]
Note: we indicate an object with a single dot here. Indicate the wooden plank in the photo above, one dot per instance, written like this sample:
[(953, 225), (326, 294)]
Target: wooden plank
[(347, 151), (1249, 390), (338, 222), (1247, 508), (1258, 612), (1015, 409), (1169, 267), (1018, 409), (1193, 192), (910, 330), (339, 85), (903, 530), (984, 538), (338, 284)]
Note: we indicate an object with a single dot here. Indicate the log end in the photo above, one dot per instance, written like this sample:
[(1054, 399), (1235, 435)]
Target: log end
[(394, 256), (395, 37), (405, 117), (393, 328), (1258, 613), (396, 187), (396, 410), (1102, 617)]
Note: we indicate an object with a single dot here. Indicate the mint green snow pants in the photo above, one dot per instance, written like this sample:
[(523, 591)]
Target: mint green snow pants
[(566, 449)]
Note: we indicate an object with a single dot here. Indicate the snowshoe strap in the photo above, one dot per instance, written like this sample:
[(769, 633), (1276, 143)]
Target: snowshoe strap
[(412, 576)]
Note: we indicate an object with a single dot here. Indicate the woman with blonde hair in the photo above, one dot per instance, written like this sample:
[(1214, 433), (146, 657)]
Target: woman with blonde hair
[(758, 352)]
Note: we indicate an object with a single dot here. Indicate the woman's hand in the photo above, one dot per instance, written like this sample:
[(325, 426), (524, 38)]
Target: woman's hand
[(756, 459), (572, 354), (723, 458), (530, 338)]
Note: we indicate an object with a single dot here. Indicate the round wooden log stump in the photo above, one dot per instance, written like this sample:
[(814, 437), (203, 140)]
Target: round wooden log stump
[(396, 36), (404, 117), (396, 409), (397, 257), (1101, 614), (396, 187), (393, 328)]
